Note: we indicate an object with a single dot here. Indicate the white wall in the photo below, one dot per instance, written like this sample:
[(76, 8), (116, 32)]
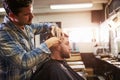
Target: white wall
[(70, 20), (73, 19)]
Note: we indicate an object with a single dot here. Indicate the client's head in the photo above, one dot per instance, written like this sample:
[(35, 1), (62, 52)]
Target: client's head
[(62, 49)]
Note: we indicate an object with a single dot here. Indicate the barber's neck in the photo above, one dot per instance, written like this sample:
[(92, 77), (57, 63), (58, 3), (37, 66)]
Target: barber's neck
[(17, 24)]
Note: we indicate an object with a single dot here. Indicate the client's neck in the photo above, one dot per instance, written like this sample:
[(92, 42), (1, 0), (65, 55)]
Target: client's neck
[(56, 55)]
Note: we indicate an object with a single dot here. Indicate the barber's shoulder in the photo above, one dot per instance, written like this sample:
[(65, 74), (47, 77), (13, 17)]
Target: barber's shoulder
[(4, 27)]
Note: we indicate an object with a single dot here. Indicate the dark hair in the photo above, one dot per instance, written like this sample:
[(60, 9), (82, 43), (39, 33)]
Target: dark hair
[(14, 6)]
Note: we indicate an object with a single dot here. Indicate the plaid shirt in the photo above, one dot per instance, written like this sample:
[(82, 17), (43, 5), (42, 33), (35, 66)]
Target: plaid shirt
[(18, 56)]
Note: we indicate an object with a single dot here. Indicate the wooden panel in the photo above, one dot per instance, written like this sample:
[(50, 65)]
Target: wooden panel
[(88, 59), (97, 16)]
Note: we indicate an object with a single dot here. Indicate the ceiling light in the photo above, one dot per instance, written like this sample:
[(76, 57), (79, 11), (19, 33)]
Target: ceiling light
[(2, 10), (71, 6)]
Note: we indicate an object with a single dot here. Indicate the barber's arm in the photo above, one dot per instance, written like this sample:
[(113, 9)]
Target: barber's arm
[(47, 28)]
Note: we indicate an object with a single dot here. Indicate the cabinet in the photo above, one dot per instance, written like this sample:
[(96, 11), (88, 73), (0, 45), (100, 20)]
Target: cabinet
[(106, 69), (101, 67)]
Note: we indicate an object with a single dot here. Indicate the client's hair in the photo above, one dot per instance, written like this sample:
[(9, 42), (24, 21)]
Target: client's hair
[(62, 38)]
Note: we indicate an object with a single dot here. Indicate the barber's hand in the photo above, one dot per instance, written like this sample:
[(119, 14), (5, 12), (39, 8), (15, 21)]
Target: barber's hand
[(56, 31), (52, 41)]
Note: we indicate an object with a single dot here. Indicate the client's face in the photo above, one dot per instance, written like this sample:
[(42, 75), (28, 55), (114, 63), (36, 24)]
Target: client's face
[(65, 48)]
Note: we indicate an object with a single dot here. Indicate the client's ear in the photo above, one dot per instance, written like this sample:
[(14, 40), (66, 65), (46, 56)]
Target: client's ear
[(12, 16), (54, 46)]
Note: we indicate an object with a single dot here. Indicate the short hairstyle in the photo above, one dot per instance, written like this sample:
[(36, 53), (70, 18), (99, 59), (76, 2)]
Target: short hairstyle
[(14, 6), (62, 39)]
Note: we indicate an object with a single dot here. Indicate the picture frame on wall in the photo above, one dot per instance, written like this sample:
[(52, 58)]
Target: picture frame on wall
[(43, 36)]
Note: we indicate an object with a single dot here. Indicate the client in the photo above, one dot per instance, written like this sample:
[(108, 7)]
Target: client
[(55, 67)]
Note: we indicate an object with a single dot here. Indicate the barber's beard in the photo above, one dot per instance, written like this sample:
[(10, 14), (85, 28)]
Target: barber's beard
[(29, 23)]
